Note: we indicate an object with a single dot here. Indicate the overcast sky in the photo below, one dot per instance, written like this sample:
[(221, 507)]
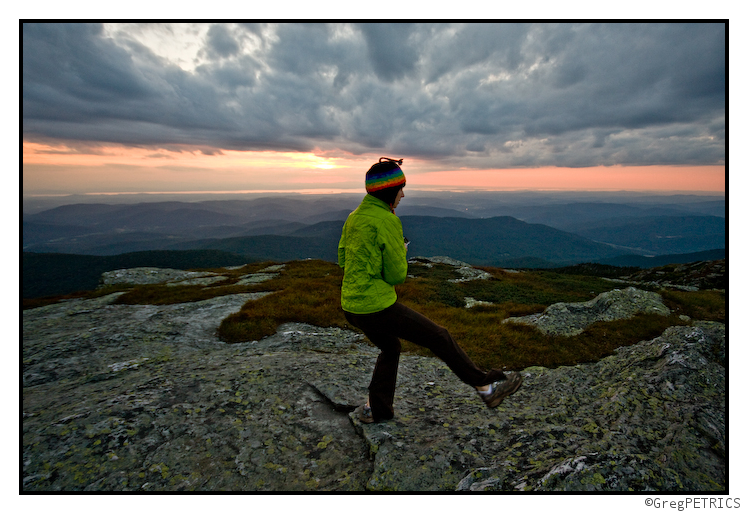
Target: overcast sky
[(480, 96)]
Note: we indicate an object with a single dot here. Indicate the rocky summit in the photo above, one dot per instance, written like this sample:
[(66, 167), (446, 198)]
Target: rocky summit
[(146, 398)]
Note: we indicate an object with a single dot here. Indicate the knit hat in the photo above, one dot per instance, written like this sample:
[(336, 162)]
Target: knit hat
[(385, 179)]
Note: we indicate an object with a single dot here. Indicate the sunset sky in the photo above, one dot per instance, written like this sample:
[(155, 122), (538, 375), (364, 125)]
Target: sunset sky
[(298, 107)]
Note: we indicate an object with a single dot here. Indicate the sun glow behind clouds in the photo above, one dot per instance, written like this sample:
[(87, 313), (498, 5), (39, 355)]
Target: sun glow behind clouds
[(38, 153), (104, 169), (61, 168)]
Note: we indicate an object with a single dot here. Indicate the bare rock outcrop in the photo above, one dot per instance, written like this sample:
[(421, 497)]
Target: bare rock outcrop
[(693, 276), (465, 270), (150, 275), (146, 398), (177, 277), (649, 418), (570, 319)]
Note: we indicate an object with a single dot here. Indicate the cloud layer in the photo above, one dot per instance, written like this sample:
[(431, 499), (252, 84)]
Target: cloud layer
[(472, 95)]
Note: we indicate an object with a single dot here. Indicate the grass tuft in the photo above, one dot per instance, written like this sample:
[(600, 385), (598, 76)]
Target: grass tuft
[(707, 305), (307, 292)]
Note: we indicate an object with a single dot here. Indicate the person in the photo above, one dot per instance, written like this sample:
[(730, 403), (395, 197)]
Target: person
[(372, 252)]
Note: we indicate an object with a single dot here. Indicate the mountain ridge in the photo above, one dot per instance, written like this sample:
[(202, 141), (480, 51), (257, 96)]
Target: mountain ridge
[(107, 229), (283, 228), (473, 239)]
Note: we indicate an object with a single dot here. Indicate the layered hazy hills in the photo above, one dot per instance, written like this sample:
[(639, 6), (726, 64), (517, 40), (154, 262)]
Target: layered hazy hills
[(491, 241), (67, 247), (510, 230), (476, 227)]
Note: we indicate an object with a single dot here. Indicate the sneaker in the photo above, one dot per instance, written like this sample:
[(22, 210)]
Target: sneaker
[(363, 413), (502, 389)]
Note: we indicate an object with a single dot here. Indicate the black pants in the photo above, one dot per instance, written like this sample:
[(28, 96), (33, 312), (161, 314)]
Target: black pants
[(384, 329)]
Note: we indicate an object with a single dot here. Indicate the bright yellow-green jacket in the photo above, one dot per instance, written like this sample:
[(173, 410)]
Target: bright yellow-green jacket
[(372, 255)]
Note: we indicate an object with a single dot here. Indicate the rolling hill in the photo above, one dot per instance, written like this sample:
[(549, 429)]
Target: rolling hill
[(649, 227), (657, 235), (491, 241), (535, 231)]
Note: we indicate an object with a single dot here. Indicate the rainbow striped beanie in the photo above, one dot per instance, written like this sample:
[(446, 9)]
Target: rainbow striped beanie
[(384, 175)]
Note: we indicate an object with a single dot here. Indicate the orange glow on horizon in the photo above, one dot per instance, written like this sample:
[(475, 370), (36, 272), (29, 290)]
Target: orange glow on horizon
[(641, 178), (103, 169), (36, 153)]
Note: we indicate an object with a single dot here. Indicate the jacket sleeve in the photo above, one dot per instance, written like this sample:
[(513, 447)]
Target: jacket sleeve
[(341, 250), (394, 259)]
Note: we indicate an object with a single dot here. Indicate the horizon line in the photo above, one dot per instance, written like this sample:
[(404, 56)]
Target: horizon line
[(324, 191)]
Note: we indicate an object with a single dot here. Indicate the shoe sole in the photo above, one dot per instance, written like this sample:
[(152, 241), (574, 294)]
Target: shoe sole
[(495, 402)]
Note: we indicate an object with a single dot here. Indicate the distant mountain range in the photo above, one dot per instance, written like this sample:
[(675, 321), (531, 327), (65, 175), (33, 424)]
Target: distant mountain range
[(656, 235), (468, 228), (644, 228), (478, 241)]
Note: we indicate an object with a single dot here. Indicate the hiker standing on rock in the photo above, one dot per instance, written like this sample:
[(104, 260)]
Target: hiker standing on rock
[(372, 253)]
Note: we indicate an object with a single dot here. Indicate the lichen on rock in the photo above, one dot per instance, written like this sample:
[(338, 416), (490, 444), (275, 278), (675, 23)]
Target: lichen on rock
[(465, 270), (177, 277), (147, 398), (650, 417), (150, 275), (570, 319)]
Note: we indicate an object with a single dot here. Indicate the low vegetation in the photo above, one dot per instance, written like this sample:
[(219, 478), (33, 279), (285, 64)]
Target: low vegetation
[(492, 344), (309, 292)]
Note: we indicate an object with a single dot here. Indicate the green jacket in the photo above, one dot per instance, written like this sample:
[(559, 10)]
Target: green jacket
[(372, 255)]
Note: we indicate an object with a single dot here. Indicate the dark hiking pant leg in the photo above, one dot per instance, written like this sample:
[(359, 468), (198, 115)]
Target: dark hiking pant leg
[(397, 321), (417, 328), (384, 378)]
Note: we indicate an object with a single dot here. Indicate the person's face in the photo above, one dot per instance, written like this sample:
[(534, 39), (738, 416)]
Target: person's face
[(400, 196)]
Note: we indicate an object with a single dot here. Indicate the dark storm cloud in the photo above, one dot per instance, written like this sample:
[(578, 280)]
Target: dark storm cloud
[(475, 94), (220, 42), (70, 73), (390, 48)]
